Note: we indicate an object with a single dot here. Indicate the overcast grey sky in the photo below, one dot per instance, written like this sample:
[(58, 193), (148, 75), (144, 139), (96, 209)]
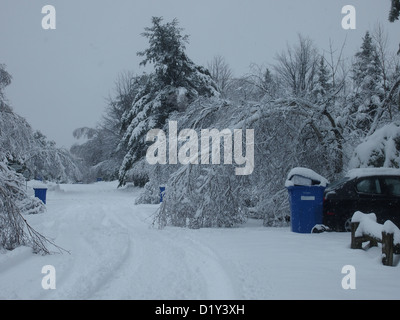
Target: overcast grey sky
[(61, 77)]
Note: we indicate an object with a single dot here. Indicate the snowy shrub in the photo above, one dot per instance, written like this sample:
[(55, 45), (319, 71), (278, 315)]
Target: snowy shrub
[(276, 208), (152, 176), (150, 194), (381, 149)]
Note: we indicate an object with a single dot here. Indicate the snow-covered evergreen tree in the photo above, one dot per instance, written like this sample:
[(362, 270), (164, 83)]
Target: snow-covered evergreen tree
[(323, 82), (367, 78), (394, 10), (175, 83)]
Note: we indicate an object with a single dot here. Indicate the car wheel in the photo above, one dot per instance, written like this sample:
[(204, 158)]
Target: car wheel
[(347, 225)]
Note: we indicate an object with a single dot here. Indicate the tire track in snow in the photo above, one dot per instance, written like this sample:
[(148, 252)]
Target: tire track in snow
[(98, 246), (151, 269), (205, 265), (166, 264)]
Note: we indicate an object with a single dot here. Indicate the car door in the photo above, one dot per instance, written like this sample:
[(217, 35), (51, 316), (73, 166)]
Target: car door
[(391, 188), (371, 198)]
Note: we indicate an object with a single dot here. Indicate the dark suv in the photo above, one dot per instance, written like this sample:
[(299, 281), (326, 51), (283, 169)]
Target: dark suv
[(369, 190)]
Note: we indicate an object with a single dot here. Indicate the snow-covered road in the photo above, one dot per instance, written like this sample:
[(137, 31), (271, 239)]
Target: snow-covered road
[(115, 253)]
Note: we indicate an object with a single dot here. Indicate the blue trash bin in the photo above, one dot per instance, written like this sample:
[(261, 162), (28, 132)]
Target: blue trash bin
[(162, 193), (305, 207), (41, 194)]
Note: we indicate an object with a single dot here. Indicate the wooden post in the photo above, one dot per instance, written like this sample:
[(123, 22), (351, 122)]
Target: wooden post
[(387, 248), (355, 243), (373, 242)]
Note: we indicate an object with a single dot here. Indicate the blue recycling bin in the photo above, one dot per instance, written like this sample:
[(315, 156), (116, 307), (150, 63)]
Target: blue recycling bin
[(41, 194), (162, 193), (306, 207)]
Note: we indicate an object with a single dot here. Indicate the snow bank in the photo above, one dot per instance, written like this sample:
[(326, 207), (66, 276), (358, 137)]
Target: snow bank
[(305, 177)]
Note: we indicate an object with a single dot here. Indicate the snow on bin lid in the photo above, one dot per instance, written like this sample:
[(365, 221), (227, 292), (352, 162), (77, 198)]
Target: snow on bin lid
[(305, 177), (36, 184)]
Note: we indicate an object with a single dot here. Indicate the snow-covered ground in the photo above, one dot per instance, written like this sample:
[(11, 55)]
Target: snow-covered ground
[(115, 253)]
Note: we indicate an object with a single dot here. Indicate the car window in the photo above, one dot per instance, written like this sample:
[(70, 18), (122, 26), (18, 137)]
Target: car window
[(392, 186), (369, 185), (337, 184)]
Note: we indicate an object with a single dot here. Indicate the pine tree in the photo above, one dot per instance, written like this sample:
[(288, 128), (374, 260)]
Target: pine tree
[(174, 84), (368, 83), (323, 84), (394, 14), (394, 10)]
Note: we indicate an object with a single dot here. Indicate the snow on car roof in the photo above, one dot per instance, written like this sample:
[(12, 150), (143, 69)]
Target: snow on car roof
[(362, 172)]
